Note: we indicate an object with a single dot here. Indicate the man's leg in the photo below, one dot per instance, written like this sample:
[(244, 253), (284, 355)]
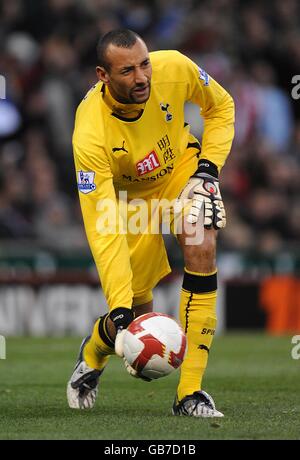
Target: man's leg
[(95, 351), (198, 318), (101, 344)]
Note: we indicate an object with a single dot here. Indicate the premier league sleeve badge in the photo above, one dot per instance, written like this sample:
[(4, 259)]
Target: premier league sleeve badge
[(85, 181)]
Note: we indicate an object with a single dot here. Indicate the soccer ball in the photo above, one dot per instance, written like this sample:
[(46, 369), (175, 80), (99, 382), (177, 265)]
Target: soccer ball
[(154, 345)]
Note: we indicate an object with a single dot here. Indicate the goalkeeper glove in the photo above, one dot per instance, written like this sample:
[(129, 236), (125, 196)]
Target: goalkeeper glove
[(133, 372), (203, 189), (121, 318), (119, 349)]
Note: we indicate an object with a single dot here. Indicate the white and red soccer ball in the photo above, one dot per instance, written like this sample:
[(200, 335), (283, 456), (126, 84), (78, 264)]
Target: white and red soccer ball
[(154, 345)]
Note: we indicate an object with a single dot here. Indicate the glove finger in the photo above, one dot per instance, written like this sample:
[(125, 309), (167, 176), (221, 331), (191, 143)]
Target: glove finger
[(208, 214), (133, 372), (129, 368), (219, 219), (193, 217), (195, 210)]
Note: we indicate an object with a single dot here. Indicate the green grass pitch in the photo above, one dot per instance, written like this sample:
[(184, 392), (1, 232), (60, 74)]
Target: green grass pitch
[(253, 378)]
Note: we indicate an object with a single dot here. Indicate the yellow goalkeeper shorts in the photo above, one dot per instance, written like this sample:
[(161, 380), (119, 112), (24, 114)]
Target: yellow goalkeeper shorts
[(149, 261)]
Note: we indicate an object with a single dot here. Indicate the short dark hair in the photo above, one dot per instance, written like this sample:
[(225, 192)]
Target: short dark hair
[(123, 38)]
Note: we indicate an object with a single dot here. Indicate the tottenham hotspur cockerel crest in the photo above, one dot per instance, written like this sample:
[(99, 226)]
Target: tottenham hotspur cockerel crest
[(165, 108)]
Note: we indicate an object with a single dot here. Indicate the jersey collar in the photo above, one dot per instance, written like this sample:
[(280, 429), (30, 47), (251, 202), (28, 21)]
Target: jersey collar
[(119, 110)]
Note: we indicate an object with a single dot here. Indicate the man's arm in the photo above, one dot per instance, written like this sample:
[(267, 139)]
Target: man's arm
[(217, 109), (102, 225)]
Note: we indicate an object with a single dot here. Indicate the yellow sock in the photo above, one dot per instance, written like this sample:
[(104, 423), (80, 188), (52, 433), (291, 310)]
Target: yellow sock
[(198, 319), (99, 347)]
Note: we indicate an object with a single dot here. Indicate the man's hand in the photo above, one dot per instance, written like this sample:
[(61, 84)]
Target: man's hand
[(121, 318), (133, 372), (203, 188), (119, 348)]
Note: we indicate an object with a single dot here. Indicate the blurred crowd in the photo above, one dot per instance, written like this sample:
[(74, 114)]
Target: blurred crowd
[(48, 59)]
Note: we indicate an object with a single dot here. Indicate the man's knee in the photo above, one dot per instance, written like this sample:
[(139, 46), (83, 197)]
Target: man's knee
[(203, 256)]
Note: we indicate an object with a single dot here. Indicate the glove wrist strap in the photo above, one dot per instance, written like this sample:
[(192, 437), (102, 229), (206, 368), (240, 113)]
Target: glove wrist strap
[(121, 317), (207, 167)]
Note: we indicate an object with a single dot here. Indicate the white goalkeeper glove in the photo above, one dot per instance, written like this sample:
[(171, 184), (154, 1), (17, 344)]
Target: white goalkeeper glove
[(203, 188), (121, 318), (133, 372), (119, 349)]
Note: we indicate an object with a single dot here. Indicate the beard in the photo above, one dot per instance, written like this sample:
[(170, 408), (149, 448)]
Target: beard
[(140, 94)]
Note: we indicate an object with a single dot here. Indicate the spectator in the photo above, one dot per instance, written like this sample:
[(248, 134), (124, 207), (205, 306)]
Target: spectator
[(48, 58)]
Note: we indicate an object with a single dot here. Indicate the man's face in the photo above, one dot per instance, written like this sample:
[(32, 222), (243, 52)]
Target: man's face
[(129, 77)]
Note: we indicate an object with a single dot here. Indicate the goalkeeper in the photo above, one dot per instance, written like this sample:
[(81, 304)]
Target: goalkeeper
[(130, 136)]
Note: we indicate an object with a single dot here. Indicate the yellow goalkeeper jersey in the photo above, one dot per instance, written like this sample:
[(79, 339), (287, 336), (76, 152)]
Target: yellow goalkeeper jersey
[(140, 154)]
